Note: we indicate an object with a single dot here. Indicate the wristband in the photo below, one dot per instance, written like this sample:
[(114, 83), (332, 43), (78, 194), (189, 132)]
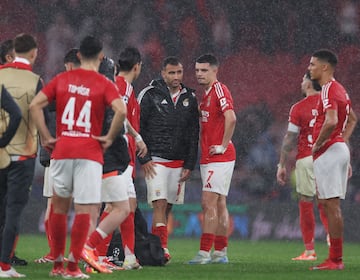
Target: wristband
[(138, 138), (219, 149)]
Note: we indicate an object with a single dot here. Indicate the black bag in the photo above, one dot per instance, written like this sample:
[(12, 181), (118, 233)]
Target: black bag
[(148, 248)]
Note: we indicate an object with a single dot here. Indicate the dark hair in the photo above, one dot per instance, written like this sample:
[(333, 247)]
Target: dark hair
[(128, 58), (24, 43), (5, 48), (71, 56), (315, 83), (107, 68), (208, 58), (327, 56), (90, 47), (172, 60)]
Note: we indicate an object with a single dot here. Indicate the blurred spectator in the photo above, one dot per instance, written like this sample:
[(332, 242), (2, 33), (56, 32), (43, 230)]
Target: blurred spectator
[(349, 21), (222, 33), (261, 46), (59, 38)]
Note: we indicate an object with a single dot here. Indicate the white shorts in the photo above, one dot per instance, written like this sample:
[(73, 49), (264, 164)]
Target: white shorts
[(129, 182), (165, 185), (305, 178), (216, 176), (47, 188), (114, 189), (331, 171), (79, 178)]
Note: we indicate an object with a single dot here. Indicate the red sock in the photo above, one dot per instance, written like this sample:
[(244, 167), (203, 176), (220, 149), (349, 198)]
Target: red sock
[(336, 249), (220, 242), (307, 223), (162, 232), (49, 239), (94, 239), (5, 266), (79, 234), (127, 229), (57, 227), (47, 229), (323, 217), (206, 241), (103, 216), (103, 246), (47, 232)]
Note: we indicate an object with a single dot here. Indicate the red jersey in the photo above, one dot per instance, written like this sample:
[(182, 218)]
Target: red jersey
[(133, 108), (213, 105), (302, 115), (81, 97), (334, 97)]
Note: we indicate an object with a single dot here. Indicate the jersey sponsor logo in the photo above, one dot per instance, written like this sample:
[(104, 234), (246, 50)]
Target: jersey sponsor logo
[(204, 116), (81, 90), (73, 133)]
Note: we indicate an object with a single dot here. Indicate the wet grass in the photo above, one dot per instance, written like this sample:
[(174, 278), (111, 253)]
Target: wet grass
[(248, 260)]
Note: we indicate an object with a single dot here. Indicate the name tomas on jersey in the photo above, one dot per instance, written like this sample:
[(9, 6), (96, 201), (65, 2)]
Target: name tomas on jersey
[(81, 90)]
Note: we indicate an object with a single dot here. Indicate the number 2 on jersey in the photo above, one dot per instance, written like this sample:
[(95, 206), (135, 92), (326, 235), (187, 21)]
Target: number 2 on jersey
[(83, 120)]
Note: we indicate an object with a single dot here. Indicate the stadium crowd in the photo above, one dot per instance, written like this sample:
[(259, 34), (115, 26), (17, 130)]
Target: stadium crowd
[(263, 54), (244, 34)]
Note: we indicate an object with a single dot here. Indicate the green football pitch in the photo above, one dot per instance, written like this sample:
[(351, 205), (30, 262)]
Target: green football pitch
[(248, 260)]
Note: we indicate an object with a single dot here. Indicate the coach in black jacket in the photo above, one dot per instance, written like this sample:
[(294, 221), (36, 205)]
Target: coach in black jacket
[(169, 125)]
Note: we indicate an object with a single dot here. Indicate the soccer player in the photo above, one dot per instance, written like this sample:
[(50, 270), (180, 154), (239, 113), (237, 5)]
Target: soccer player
[(301, 122), (169, 125), (71, 62), (334, 125), (217, 160), (81, 97), (16, 179), (129, 64), (113, 191)]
